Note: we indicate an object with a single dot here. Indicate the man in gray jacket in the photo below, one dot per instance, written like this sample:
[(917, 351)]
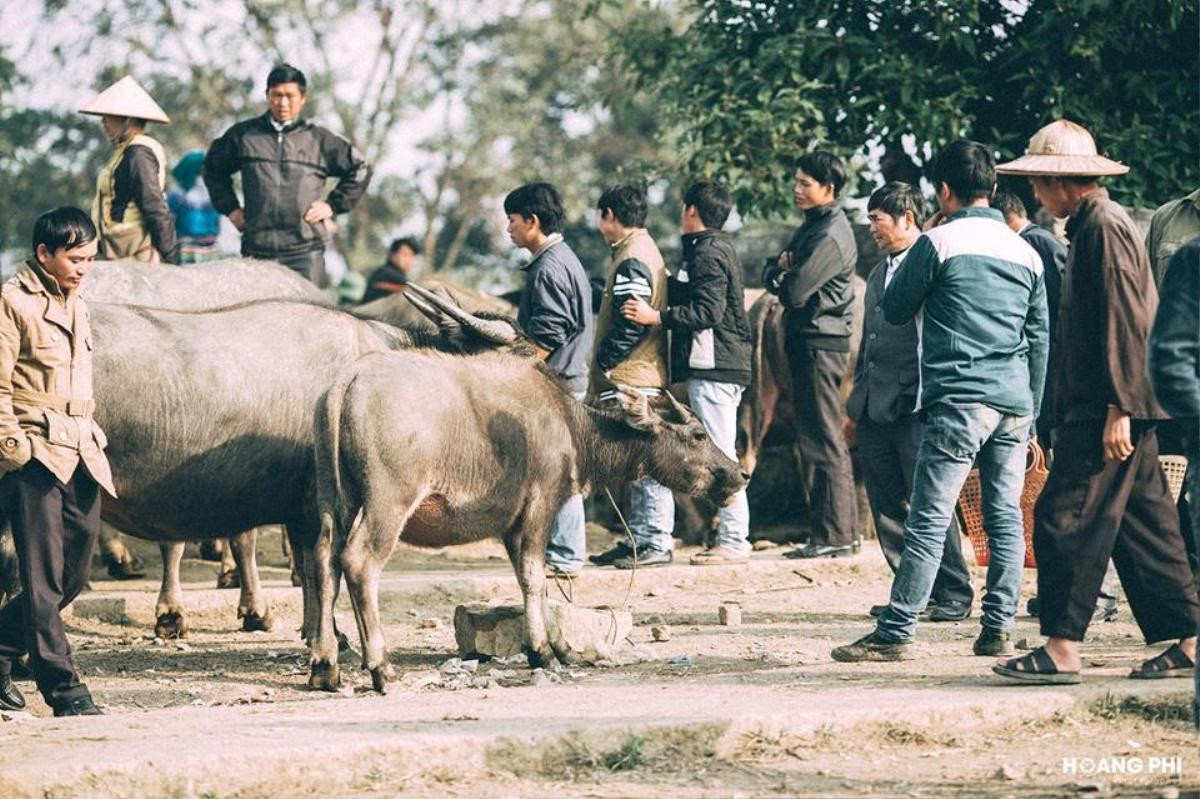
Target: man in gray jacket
[(556, 312), (284, 162)]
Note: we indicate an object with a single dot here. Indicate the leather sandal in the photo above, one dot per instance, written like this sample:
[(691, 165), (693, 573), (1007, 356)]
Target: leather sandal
[(1172, 663), (1036, 668)]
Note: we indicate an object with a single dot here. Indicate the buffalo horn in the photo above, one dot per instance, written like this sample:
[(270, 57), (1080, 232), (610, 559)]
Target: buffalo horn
[(490, 329), (681, 412), (424, 307)]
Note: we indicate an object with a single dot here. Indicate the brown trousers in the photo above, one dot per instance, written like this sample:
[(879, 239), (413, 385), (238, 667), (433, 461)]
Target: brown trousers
[(1091, 510)]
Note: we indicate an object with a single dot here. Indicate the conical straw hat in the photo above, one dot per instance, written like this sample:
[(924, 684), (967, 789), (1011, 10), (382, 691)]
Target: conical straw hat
[(1062, 148), (126, 98)]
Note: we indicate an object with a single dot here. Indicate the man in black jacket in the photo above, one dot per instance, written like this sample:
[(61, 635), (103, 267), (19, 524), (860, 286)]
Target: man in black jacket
[(393, 275), (711, 343), (284, 162), (882, 405), (814, 278)]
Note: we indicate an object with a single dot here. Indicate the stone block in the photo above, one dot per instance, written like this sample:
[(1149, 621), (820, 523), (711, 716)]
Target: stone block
[(590, 634), (109, 609)]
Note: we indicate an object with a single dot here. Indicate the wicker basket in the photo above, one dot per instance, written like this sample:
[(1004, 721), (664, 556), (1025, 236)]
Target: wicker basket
[(970, 506), (1175, 468)]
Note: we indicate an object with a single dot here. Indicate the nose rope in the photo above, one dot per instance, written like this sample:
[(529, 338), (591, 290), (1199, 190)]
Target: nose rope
[(632, 547)]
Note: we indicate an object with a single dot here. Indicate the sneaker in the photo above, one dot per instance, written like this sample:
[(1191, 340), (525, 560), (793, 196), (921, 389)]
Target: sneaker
[(871, 647), (719, 556), (1106, 608), (83, 706), (992, 642), (646, 559), (10, 696), (950, 611), (823, 551), (611, 556)]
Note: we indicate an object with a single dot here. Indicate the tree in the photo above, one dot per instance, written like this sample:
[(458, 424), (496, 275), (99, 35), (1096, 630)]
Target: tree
[(748, 85)]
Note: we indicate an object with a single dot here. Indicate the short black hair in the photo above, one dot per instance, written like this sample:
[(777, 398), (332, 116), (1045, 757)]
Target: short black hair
[(537, 199), (627, 203), (63, 228), (967, 168), (1009, 204), (711, 200), (824, 167), (404, 241), (895, 198), (286, 73)]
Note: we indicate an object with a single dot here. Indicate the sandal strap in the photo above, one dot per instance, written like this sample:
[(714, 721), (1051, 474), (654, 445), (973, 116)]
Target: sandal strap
[(1036, 662), (1172, 658)]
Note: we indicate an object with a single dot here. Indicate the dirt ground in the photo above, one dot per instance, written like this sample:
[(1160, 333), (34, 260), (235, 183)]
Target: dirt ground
[(755, 710)]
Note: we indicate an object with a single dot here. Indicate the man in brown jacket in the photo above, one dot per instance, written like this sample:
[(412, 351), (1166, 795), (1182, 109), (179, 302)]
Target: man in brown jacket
[(51, 455), (1106, 494)]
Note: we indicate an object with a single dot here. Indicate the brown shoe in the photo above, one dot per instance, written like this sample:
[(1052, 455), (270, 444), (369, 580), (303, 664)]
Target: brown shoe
[(718, 556)]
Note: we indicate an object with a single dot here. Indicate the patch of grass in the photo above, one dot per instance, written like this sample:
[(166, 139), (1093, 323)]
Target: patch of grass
[(901, 734), (1161, 709), (589, 756), (629, 755)]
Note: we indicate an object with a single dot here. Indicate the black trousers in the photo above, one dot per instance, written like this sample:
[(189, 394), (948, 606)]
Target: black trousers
[(310, 264), (1091, 510), (825, 470), (886, 456), (54, 527)]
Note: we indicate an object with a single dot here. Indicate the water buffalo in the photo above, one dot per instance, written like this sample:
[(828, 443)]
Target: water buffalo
[(497, 454)]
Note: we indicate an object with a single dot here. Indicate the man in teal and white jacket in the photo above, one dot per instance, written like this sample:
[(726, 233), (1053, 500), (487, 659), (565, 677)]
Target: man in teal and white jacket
[(978, 293)]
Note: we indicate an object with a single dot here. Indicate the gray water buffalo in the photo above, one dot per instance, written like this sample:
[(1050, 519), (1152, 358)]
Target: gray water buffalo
[(217, 284), (496, 454)]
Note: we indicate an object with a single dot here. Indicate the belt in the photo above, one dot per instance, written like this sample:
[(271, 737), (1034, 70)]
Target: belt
[(67, 405)]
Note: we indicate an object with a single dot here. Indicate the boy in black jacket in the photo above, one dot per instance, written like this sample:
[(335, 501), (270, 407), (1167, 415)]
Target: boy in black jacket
[(814, 278), (711, 342)]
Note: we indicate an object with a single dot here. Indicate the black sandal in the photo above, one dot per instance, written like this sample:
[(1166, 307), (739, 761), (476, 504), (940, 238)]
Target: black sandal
[(1036, 668), (1172, 663)]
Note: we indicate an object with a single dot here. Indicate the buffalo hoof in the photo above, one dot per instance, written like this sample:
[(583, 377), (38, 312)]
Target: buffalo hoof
[(170, 626), (297, 580), (229, 579), (210, 550), (130, 569), (254, 623), (538, 660), (379, 678), (325, 677)]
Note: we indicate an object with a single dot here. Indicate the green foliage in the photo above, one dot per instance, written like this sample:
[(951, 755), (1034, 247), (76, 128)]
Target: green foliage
[(749, 85)]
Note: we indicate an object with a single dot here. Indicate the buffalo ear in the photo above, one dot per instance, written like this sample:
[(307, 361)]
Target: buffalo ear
[(636, 408)]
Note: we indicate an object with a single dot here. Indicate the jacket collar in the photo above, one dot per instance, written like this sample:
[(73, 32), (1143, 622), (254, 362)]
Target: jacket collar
[(627, 238), (551, 240), (270, 124), (978, 211), (1086, 205), (690, 240), (34, 279), (819, 213)]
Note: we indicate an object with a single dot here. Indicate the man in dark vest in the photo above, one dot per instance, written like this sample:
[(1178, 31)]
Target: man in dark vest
[(887, 379)]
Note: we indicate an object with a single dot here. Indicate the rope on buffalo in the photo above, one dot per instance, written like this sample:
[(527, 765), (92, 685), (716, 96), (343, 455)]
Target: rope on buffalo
[(568, 592)]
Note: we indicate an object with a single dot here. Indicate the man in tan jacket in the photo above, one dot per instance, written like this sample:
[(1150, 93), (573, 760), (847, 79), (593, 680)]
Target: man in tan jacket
[(51, 455)]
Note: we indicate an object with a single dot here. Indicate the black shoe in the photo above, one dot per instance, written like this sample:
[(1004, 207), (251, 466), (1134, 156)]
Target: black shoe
[(950, 611), (611, 556), (20, 669), (646, 559), (1031, 607), (10, 697), (992, 642), (1106, 609), (83, 706), (823, 551), (871, 647)]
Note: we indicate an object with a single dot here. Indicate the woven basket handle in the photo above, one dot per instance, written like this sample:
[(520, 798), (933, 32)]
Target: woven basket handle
[(1036, 458)]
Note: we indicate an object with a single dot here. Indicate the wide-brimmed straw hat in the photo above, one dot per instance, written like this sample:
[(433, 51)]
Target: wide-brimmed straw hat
[(1062, 148), (126, 98)]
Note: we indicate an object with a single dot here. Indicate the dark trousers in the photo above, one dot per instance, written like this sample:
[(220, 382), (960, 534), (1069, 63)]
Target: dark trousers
[(54, 527), (308, 264), (825, 470), (886, 456), (1091, 510)]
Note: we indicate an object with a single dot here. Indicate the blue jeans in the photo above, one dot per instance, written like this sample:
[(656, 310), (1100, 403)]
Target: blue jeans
[(954, 436), (568, 538), (651, 515), (716, 404)]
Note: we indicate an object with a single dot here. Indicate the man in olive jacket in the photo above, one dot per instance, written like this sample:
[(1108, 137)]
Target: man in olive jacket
[(284, 161), (51, 455)]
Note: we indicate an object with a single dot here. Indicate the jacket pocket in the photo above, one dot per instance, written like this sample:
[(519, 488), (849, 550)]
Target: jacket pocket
[(704, 350), (61, 430)]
